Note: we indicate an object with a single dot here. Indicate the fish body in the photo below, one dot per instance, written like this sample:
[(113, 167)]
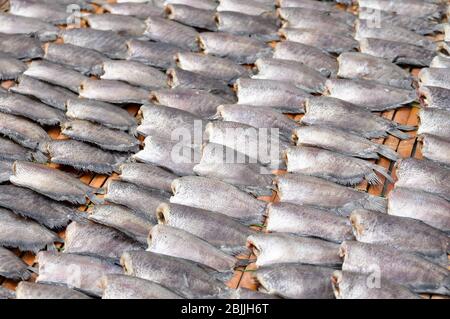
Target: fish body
[(435, 97), (437, 77), (10, 67), (30, 290), (12, 151), (54, 13), (138, 173), (406, 7), (319, 21), (113, 92), (250, 7), (435, 122), (15, 24), (201, 4), (21, 46), (12, 267), (191, 16), (296, 14), (157, 54), (126, 25), (436, 149), (135, 9)]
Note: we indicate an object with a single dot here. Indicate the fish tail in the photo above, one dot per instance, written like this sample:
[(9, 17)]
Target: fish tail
[(388, 152), (79, 217), (39, 157), (96, 200), (372, 179), (34, 270), (383, 171), (375, 203), (235, 251), (399, 134), (407, 128), (244, 262)]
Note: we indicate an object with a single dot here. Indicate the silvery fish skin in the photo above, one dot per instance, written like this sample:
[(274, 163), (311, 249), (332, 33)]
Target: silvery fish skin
[(157, 54), (308, 221), (178, 157), (261, 27), (75, 271), (250, 7), (85, 5), (436, 149), (318, 21), (129, 287), (84, 157), (23, 132), (51, 182), (200, 103), (343, 142), (356, 65), (109, 115), (5, 170), (438, 77), (24, 234), (364, 29), (424, 175), (244, 293), (435, 97), (160, 121), (117, 23), (431, 209), (49, 94), (55, 13), (240, 49), (201, 4), (296, 281), (194, 17), (175, 242), (440, 61), (350, 285), (20, 105), (124, 220), (435, 122), (140, 200), (332, 43), (219, 230), (300, 75), (333, 166), (375, 96), (55, 74), (406, 7), (308, 55), (295, 14), (397, 52), (393, 231), (86, 61), (12, 151), (270, 93), (279, 248), (31, 290), (257, 117), (106, 138), (196, 192), (113, 92), (171, 32), (25, 202), (180, 275), (235, 168), (308, 4), (410, 270), (21, 46), (134, 73), (307, 190), (139, 10), (210, 66), (10, 67), (139, 173), (88, 238), (14, 24), (12, 267), (107, 42), (349, 117)]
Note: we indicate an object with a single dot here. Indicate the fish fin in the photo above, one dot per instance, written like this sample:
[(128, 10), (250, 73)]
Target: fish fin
[(407, 128), (34, 270), (79, 217), (39, 157), (399, 134), (373, 179), (387, 152), (375, 203), (244, 262), (383, 172), (100, 191), (96, 200), (235, 251)]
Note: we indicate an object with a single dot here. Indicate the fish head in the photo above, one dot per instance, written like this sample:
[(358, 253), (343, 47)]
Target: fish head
[(126, 261), (336, 280), (163, 213), (363, 221), (254, 245)]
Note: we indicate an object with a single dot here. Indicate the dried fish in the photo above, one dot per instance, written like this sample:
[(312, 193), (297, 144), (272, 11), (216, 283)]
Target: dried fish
[(157, 54), (24, 234), (106, 138), (245, 293), (435, 97), (5, 170), (125, 25), (436, 149), (139, 10), (406, 7), (12, 267), (307, 4), (139, 174), (51, 182), (11, 151), (113, 92), (437, 77), (10, 67), (21, 46), (75, 271), (201, 4), (308, 221), (196, 192), (191, 16), (435, 122), (251, 7), (14, 24), (295, 14), (52, 13), (318, 20), (31, 290)]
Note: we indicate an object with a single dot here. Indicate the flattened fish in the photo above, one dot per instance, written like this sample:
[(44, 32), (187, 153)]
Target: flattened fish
[(12, 151), (109, 115), (180, 275), (96, 134), (179, 243), (438, 77), (30, 204), (435, 122), (24, 234), (17, 104), (370, 94), (134, 73), (117, 23), (435, 97), (129, 287), (21, 46), (75, 271), (250, 7), (279, 248), (191, 16), (124, 220), (196, 192), (10, 67), (296, 13), (55, 13), (307, 190), (295, 281), (349, 285), (14, 24), (310, 56), (343, 142), (86, 61), (410, 270), (5, 170), (12, 267), (139, 173), (49, 94), (406, 7), (318, 21), (51, 182), (157, 54), (201, 4), (436, 149), (136, 9), (113, 92), (307, 4), (31, 290), (308, 221), (240, 49)]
